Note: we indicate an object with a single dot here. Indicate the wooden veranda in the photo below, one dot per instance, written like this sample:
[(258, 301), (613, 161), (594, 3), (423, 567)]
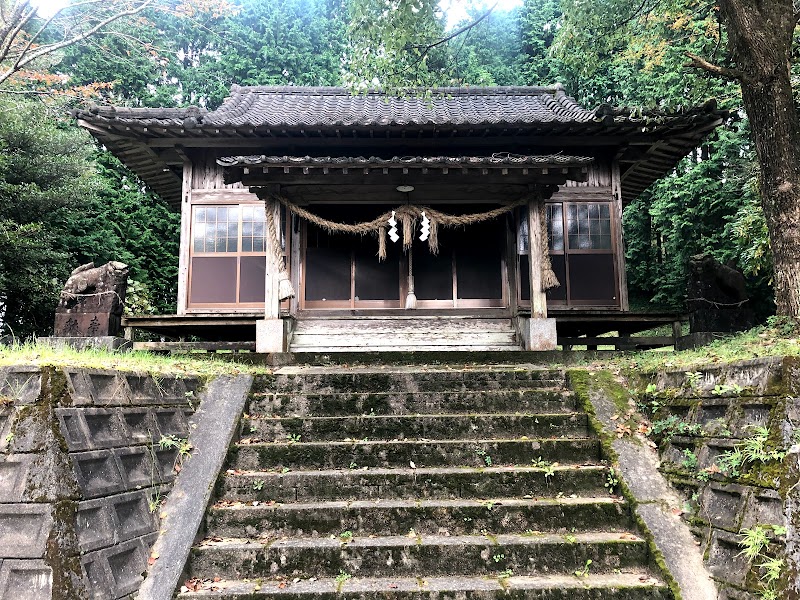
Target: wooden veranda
[(461, 330)]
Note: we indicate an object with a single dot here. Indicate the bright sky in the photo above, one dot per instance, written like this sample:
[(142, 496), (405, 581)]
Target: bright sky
[(48, 7), (456, 9)]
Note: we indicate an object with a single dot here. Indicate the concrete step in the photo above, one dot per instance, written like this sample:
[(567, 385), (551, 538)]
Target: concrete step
[(637, 584), (418, 555), (382, 402), (349, 520), (379, 326), (414, 379), (305, 348), (387, 427), (420, 483), (404, 335), (367, 340), (474, 453)]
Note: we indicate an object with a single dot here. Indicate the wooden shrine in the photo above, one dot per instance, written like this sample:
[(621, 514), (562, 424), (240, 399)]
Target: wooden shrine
[(458, 220)]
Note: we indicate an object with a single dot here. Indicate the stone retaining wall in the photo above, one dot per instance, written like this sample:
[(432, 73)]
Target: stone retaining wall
[(713, 412), (82, 476)]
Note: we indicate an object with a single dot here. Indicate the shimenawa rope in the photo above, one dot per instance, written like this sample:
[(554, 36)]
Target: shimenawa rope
[(407, 216)]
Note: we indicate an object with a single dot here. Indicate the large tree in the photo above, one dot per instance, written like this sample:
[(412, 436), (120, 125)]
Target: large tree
[(760, 40), (759, 36)]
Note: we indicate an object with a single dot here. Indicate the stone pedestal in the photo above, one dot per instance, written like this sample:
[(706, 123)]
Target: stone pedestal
[(270, 336), (538, 334), (92, 302)]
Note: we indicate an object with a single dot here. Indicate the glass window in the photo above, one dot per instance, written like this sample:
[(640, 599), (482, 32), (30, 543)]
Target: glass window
[(215, 229), (253, 228), (588, 226), (523, 241), (228, 262), (555, 227)]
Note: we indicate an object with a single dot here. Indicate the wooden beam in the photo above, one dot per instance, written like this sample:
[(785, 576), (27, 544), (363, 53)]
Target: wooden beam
[(194, 346), (355, 194), (621, 343), (397, 177), (272, 303)]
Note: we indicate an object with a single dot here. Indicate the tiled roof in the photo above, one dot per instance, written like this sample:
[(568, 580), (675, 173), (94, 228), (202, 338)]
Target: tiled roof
[(287, 106), (446, 118), (324, 107)]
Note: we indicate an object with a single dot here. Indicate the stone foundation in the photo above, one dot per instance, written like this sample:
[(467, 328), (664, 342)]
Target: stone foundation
[(714, 410), (82, 477)]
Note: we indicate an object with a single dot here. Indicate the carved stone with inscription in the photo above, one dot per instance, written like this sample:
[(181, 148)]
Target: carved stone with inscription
[(92, 301)]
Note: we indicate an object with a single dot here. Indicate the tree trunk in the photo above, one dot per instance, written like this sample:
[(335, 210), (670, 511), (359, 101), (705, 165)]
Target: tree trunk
[(760, 40)]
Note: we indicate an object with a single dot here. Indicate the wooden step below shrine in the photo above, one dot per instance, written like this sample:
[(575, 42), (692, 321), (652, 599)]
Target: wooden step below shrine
[(424, 333)]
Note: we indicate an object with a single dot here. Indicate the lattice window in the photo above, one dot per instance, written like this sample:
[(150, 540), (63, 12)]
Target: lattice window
[(216, 229), (588, 226)]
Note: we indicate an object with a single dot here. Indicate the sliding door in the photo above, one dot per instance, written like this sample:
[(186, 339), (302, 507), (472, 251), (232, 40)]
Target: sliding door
[(580, 237)]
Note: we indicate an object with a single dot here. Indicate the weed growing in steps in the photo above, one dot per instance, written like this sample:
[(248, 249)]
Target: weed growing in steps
[(689, 461), (342, 578), (612, 481), (482, 454), (346, 536), (584, 570), (182, 445)]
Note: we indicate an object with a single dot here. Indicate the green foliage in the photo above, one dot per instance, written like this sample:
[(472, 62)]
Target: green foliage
[(137, 299), (755, 544), (124, 222), (689, 461), (395, 44), (671, 425), (45, 173), (755, 449), (491, 53), (195, 61)]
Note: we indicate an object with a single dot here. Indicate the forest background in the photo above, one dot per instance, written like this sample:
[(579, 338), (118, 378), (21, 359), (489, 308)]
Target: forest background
[(64, 201)]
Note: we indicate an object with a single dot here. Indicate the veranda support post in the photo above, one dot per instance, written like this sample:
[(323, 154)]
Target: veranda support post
[(270, 336), (539, 331)]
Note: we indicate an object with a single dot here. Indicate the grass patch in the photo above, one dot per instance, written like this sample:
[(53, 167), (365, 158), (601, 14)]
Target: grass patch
[(779, 338), (32, 353)]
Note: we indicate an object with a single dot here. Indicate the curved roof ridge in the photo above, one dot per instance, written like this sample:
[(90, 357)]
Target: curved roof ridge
[(415, 92)]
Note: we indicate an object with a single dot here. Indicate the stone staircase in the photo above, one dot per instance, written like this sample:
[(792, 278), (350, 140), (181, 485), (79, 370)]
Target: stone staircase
[(393, 483), (404, 334)]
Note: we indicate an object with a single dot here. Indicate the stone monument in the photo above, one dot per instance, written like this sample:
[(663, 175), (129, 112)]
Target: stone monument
[(91, 305), (717, 301)]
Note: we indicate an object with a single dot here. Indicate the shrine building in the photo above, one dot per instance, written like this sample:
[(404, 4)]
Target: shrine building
[(315, 220)]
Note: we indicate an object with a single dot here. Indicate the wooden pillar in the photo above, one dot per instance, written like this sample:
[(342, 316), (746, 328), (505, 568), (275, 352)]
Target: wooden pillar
[(186, 239), (272, 302), (538, 297), (616, 190), (510, 275)]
